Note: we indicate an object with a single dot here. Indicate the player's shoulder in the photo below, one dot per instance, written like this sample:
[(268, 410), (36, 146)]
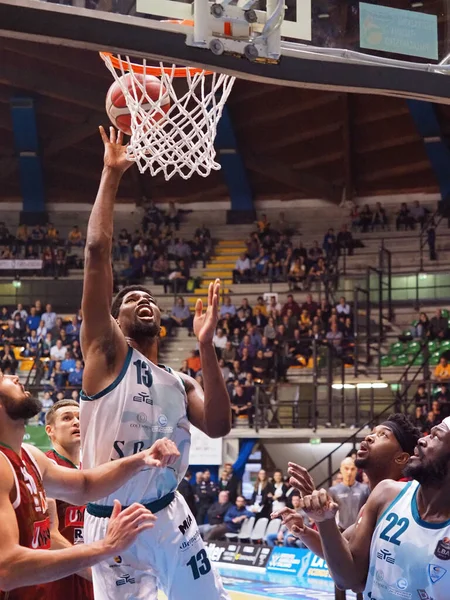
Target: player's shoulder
[(384, 494)]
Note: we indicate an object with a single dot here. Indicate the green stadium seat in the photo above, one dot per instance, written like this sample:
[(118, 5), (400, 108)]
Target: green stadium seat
[(433, 346), (401, 360), (396, 349), (413, 347), (445, 346), (435, 358), (386, 361), (445, 313), (415, 323), (417, 360)]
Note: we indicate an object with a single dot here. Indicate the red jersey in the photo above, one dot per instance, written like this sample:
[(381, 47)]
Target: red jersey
[(30, 506), (71, 522)]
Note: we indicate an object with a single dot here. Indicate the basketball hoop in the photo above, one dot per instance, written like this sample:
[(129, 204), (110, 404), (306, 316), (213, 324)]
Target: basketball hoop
[(183, 141)]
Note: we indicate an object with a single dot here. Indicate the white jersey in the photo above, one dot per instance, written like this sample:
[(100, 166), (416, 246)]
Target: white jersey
[(144, 403), (409, 557)]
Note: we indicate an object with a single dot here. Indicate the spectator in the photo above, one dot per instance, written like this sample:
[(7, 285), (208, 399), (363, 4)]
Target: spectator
[(316, 273), (379, 217), (41, 331), (229, 354), (178, 278), (75, 237), (225, 369), (219, 341), (124, 241), (47, 403), (21, 312), (186, 370), (247, 345), (216, 513), (47, 345), (262, 496), (418, 214), (49, 317), (292, 305), (32, 320), (76, 375), (404, 218), (193, 362), (28, 351), (343, 308), (227, 308), (436, 410), (273, 306), (430, 422), (8, 362), (422, 328), (246, 308), (261, 305), (421, 397), (73, 329), (284, 537), (19, 328), (181, 315), (418, 419), (263, 226), (315, 252), (350, 495), (365, 218), (241, 405), (136, 268), (279, 491), (33, 340), (228, 483), (58, 351), (242, 269), (5, 315), (355, 217), (207, 493), (442, 370), (344, 241), (329, 243), (173, 216), (233, 521), (297, 272), (261, 367), (187, 491), (438, 326), (160, 269), (258, 319)]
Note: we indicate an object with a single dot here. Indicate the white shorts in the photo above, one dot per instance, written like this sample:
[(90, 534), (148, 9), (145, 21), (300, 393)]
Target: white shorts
[(171, 557)]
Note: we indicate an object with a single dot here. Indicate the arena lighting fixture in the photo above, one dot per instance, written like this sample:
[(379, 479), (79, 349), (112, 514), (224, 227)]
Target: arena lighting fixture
[(345, 386), (415, 4), (374, 386), (16, 282)]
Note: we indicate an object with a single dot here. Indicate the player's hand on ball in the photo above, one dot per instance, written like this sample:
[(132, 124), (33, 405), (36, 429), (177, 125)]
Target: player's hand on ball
[(205, 324), (300, 479), (125, 525), (319, 506), (163, 453), (115, 156), (291, 519)]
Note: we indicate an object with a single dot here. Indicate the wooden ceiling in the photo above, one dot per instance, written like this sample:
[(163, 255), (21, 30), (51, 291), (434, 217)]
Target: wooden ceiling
[(295, 143)]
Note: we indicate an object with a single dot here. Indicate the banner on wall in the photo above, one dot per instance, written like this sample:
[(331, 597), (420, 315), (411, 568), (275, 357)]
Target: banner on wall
[(204, 450), (36, 436), (20, 265), (299, 562), (237, 553)]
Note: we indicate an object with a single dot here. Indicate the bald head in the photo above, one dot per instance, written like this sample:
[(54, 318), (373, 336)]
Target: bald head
[(348, 471)]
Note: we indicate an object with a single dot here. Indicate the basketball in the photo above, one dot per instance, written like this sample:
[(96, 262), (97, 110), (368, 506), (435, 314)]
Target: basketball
[(116, 106)]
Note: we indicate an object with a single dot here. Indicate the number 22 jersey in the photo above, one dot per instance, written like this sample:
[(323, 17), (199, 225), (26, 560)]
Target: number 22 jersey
[(409, 557)]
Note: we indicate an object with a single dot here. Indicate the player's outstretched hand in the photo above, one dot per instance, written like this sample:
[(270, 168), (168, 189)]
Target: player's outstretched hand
[(125, 525), (115, 156), (319, 506), (163, 453), (291, 519), (205, 324), (300, 479)]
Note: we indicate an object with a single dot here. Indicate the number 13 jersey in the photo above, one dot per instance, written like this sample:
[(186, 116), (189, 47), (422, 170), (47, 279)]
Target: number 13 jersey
[(409, 557), (145, 403)]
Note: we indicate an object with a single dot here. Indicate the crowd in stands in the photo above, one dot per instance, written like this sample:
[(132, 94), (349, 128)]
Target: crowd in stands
[(257, 345), (155, 250)]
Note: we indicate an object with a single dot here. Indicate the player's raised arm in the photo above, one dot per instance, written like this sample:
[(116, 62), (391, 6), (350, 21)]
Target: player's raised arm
[(98, 325), (209, 411)]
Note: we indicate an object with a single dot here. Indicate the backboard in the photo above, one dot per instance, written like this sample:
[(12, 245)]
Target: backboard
[(400, 48)]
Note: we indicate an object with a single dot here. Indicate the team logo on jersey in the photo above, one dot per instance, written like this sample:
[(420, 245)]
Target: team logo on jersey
[(141, 418), (118, 560), (78, 535), (41, 534), (436, 573), (386, 555), (402, 583), (74, 516), (124, 580), (185, 524), (162, 420), (442, 550), (143, 397), (423, 595)]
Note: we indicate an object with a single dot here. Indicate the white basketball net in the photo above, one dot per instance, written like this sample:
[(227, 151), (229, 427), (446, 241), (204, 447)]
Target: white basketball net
[(183, 140)]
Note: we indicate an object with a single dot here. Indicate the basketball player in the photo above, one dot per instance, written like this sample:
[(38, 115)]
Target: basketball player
[(383, 454), (24, 524), (401, 546), (63, 428), (140, 400)]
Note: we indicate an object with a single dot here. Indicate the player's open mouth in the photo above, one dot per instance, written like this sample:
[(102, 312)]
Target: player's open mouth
[(144, 312), (363, 449), (76, 432)]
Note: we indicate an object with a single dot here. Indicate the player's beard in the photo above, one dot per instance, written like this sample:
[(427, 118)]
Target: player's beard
[(428, 473), (362, 463), (25, 409), (142, 329)]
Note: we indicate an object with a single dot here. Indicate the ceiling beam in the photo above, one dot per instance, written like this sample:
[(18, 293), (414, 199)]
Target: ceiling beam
[(312, 185), (33, 80), (402, 169), (347, 145), (318, 160)]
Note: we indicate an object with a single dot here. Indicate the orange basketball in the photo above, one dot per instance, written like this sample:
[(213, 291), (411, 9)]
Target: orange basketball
[(116, 106)]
